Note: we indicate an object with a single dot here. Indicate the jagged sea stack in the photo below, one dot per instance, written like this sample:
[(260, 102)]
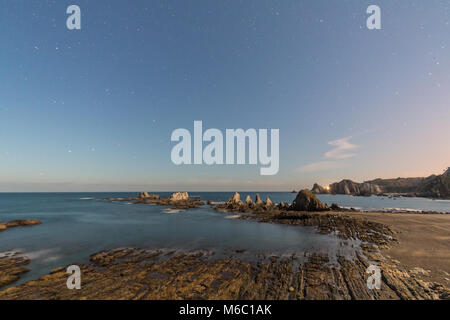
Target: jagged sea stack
[(144, 195), (179, 196), (269, 203), (235, 200), (258, 200)]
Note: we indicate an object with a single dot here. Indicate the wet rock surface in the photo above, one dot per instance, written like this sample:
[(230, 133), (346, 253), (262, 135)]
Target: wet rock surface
[(144, 274), (18, 223), (11, 267)]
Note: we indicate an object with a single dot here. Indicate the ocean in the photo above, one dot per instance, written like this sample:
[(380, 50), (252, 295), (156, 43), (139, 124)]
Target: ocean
[(76, 225)]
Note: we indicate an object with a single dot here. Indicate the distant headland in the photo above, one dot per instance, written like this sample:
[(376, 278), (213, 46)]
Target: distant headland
[(434, 186)]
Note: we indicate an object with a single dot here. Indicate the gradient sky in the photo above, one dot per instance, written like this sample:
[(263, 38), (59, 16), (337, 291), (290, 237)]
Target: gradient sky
[(93, 110)]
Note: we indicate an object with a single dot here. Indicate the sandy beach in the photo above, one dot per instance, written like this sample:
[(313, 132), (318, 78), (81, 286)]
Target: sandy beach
[(423, 242)]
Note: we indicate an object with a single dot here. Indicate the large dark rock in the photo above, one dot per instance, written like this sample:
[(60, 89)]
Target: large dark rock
[(307, 201)]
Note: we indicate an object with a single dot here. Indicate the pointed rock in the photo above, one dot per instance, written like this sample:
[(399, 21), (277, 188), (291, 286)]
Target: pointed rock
[(283, 206), (258, 200), (307, 201), (235, 200), (144, 195)]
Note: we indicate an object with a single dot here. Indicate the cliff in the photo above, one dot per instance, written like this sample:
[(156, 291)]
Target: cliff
[(434, 186)]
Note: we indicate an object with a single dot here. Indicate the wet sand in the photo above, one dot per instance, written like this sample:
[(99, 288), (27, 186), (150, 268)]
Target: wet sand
[(423, 242)]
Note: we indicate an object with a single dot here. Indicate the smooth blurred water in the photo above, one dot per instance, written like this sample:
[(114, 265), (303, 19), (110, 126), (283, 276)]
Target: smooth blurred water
[(76, 225)]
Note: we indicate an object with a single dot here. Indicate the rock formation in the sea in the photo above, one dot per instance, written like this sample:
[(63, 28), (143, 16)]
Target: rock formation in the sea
[(307, 201), (235, 201), (283, 206), (179, 196), (235, 204), (178, 200), (18, 223), (434, 186), (269, 203), (318, 189), (258, 201), (146, 195)]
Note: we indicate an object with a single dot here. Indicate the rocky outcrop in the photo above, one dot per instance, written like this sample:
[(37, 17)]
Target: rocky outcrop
[(258, 200), (283, 206), (179, 196), (235, 204), (235, 200), (318, 189), (146, 195), (307, 201), (178, 200), (18, 223)]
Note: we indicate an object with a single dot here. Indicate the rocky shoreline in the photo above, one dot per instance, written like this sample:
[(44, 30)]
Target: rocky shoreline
[(12, 265), (135, 273)]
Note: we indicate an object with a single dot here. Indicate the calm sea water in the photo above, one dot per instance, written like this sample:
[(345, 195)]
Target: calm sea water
[(76, 225)]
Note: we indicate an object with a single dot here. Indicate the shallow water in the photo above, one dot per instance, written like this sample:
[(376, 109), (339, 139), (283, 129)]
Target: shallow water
[(76, 225)]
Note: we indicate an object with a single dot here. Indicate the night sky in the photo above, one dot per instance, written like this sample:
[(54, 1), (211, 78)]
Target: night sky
[(94, 109)]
